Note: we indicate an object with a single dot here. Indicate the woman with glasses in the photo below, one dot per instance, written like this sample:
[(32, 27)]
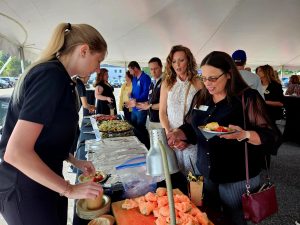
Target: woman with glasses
[(180, 83), (221, 159)]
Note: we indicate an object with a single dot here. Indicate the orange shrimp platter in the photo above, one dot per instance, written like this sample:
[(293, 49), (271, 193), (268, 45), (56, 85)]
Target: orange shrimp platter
[(153, 208)]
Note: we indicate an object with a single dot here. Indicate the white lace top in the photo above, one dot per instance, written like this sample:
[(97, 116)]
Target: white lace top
[(175, 102)]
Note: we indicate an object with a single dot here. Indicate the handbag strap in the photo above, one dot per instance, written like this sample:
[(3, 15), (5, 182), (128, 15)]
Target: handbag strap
[(185, 99), (246, 152), (246, 149)]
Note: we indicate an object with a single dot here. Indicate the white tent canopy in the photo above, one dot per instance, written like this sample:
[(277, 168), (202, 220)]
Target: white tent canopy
[(268, 30)]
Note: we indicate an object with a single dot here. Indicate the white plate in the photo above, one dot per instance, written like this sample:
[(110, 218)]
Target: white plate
[(209, 133)]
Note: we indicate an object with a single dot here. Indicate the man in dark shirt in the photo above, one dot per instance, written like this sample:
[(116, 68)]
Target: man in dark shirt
[(152, 104), (140, 91)]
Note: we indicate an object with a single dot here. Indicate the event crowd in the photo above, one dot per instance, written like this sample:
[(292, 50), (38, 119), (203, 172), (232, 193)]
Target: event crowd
[(45, 107)]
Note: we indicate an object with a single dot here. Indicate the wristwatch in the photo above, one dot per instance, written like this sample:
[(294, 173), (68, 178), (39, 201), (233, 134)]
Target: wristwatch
[(247, 136)]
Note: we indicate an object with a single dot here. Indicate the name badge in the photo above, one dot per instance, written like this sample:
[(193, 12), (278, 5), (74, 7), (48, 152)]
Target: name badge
[(203, 107), (138, 83)]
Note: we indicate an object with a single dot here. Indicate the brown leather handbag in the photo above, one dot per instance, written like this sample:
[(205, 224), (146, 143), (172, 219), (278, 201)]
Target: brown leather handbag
[(263, 203)]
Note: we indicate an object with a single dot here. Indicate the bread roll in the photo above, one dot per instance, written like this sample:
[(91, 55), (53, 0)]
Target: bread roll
[(212, 126), (103, 220)]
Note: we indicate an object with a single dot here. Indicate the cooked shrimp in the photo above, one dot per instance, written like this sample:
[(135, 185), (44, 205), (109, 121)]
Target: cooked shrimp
[(140, 199), (146, 207), (151, 197), (162, 201), (164, 211), (183, 206), (161, 191)]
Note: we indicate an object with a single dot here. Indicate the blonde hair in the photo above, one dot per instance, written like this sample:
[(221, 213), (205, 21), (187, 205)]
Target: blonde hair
[(170, 74), (63, 41)]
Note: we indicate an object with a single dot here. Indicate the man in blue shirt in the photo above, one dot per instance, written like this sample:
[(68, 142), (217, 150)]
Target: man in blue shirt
[(140, 91)]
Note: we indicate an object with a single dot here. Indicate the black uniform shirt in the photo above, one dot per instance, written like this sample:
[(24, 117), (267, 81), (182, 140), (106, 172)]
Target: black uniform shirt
[(48, 98), (274, 92)]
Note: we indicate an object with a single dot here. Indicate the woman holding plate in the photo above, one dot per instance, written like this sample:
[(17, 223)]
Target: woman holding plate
[(221, 159)]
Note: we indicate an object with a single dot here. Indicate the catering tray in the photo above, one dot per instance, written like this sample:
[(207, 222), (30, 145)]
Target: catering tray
[(114, 126)]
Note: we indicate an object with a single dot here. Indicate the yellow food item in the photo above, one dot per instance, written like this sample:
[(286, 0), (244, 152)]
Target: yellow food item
[(212, 126)]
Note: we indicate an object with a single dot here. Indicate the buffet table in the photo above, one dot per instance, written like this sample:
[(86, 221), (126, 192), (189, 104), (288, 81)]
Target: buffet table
[(108, 153), (105, 155)]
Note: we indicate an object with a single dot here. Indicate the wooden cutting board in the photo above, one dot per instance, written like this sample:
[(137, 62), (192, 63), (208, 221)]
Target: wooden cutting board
[(133, 216)]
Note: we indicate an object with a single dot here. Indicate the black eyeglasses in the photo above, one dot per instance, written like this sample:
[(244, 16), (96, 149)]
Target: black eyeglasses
[(211, 79)]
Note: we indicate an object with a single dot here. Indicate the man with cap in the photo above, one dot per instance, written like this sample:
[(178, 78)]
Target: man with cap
[(240, 58)]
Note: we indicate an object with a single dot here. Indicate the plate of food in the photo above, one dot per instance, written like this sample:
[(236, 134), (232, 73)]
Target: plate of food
[(212, 129), (114, 126), (98, 177), (102, 117)]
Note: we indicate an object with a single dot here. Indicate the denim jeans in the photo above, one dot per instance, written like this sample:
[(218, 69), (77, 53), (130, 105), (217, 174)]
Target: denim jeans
[(139, 118)]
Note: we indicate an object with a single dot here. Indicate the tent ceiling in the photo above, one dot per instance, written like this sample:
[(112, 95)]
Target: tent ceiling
[(268, 30)]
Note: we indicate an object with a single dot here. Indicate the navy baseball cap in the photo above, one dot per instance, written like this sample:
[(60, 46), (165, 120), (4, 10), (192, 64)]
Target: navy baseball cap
[(239, 56)]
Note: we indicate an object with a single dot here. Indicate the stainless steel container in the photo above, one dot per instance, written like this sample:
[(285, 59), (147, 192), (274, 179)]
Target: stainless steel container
[(154, 156)]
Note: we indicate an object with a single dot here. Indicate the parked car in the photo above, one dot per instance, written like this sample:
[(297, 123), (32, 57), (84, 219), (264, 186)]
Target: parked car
[(116, 83), (4, 83), (9, 80)]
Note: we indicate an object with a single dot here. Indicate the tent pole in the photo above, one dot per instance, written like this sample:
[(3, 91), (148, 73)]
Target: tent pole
[(22, 57), (282, 68)]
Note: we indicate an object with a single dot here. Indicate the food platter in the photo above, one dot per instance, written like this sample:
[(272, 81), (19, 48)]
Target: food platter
[(102, 117), (114, 126), (207, 133)]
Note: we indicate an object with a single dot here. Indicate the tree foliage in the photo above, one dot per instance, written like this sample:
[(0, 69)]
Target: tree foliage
[(13, 69)]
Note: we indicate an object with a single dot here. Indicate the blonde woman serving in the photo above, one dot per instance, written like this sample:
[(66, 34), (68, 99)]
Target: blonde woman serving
[(40, 128), (178, 89)]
